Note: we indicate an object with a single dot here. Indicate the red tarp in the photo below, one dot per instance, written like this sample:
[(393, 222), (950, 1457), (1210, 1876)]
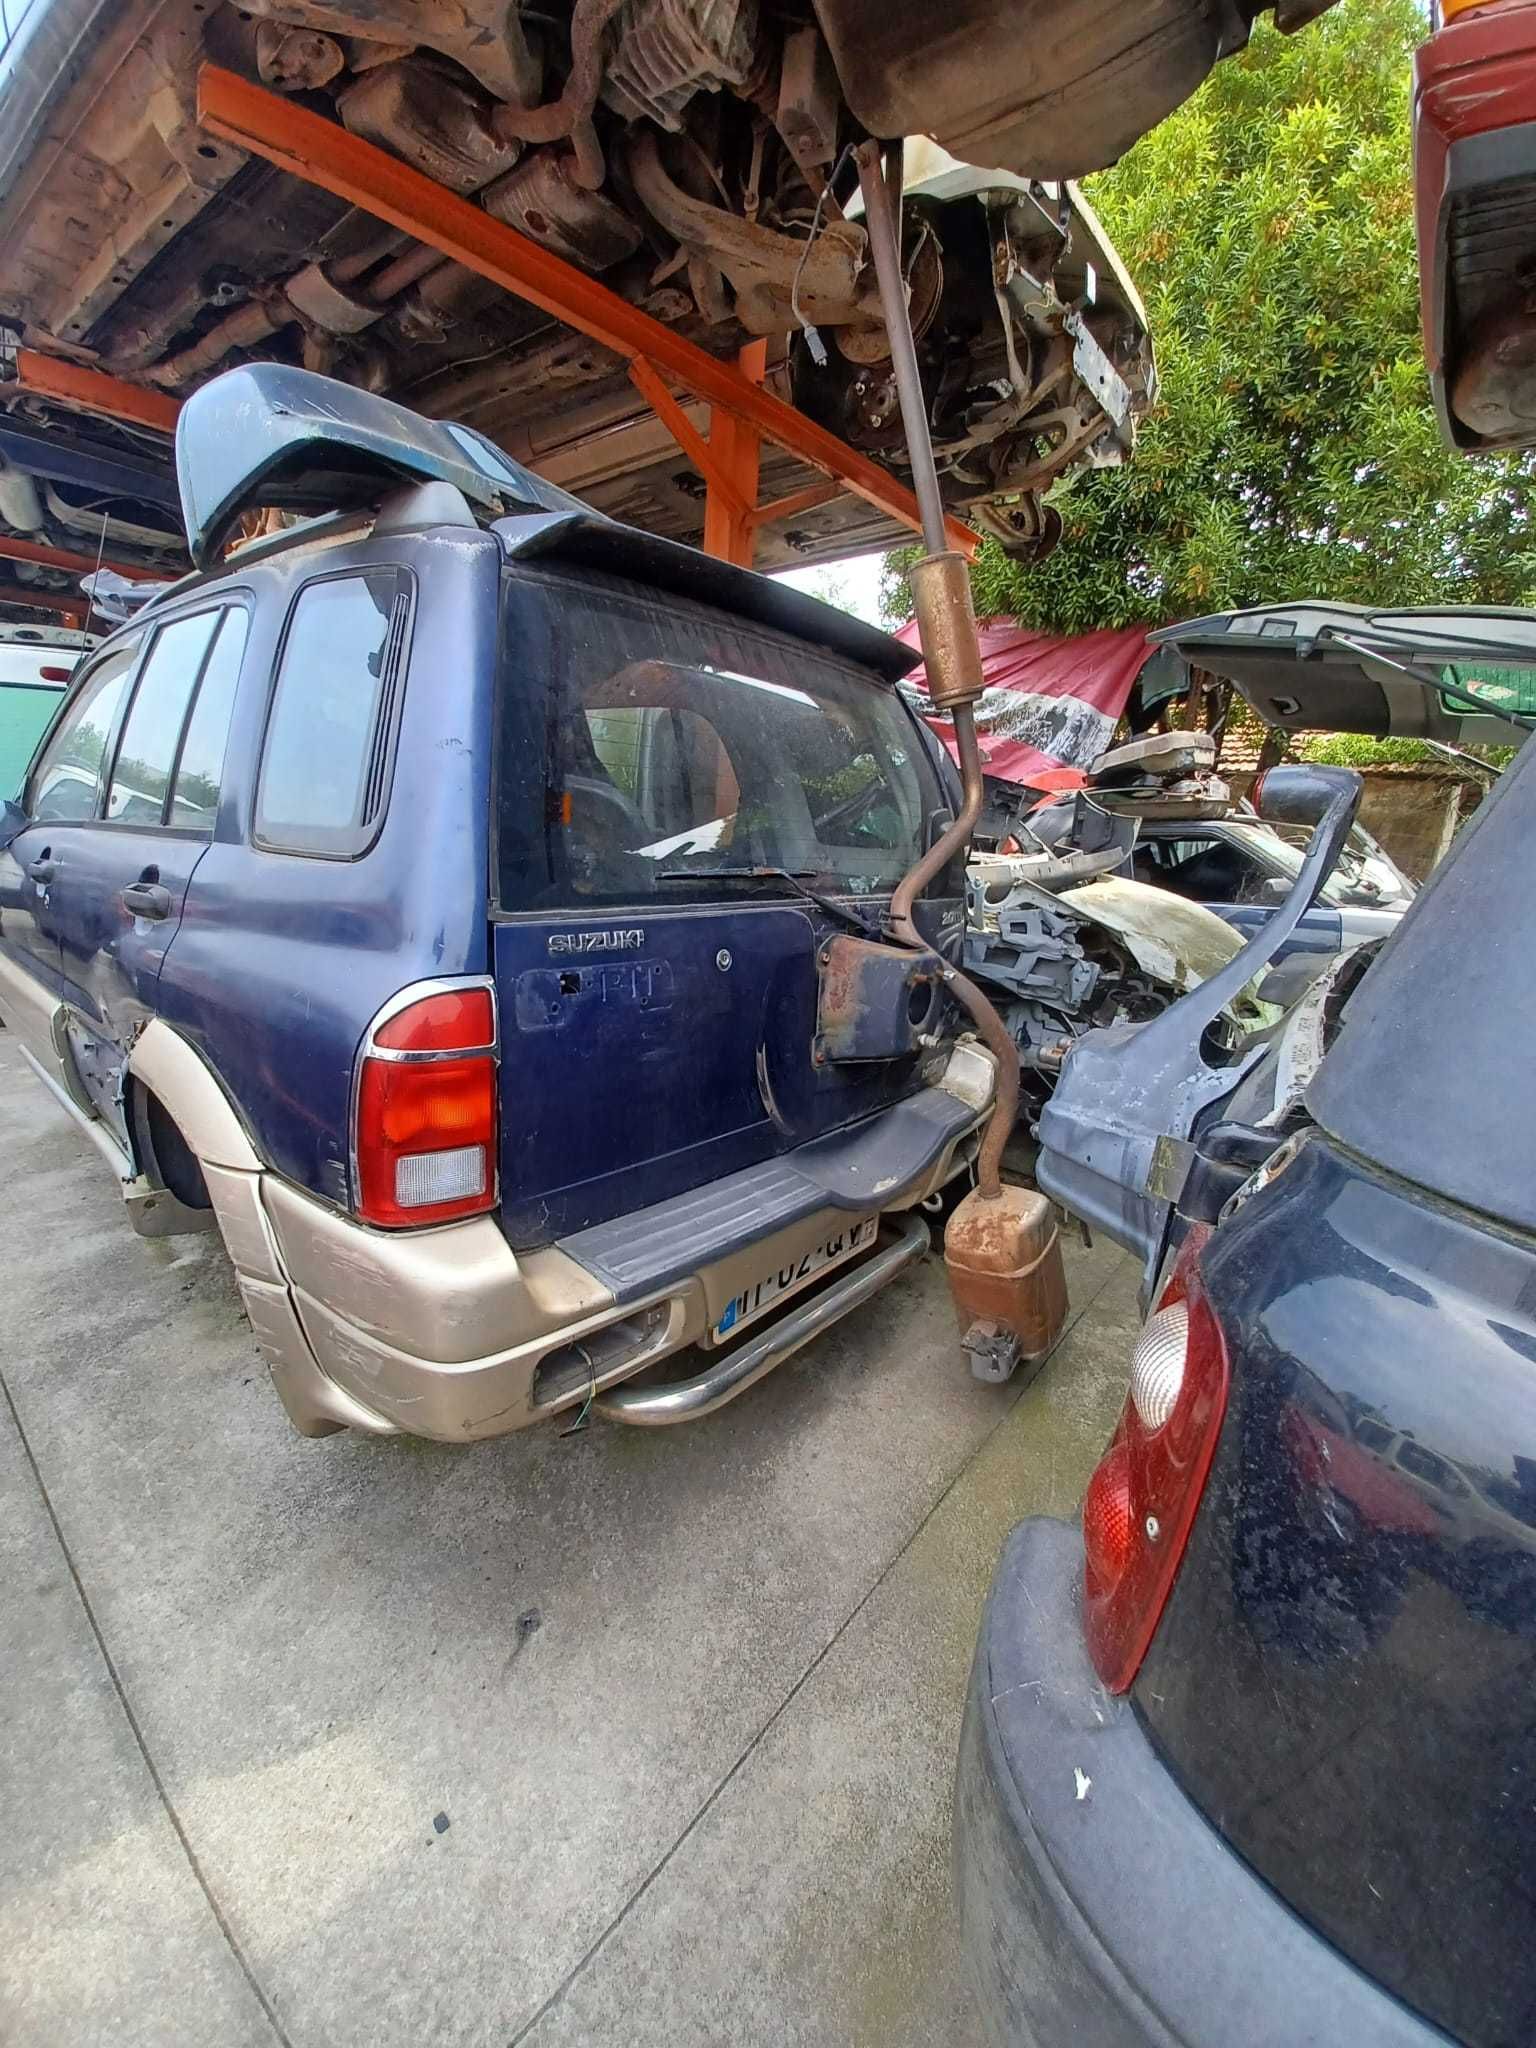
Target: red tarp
[(1049, 702)]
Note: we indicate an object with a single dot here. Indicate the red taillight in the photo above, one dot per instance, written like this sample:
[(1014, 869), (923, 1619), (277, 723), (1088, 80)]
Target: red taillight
[(1141, 1501), (457, 1020), (425, 1131)]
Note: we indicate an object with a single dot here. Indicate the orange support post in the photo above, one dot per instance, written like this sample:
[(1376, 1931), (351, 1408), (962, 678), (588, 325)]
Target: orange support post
[(93, 391), (14, 549), (700, 452), (322, 153), (729, 531)]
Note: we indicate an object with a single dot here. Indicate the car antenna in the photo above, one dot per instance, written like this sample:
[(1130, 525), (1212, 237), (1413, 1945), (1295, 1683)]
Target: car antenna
[(101, 544)]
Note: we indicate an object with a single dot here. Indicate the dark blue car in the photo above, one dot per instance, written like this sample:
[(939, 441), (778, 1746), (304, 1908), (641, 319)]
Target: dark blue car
[(1249, 1757), (438, 897)]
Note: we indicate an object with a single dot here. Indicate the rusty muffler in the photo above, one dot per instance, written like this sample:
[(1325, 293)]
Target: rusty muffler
[(1003, 1258), (1002, 1249)]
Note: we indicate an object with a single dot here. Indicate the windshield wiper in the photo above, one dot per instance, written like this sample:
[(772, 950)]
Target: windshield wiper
[(795, 879)]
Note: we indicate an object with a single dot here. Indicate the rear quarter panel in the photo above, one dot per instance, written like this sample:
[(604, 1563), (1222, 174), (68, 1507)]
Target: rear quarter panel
[(1344, 1676), (281, 960)]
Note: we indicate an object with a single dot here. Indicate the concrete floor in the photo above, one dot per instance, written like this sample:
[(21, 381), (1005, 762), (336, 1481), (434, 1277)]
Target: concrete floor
[(622, 1737)]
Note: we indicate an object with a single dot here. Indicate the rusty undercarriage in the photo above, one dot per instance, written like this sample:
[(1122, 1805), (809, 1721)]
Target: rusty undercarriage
[(693, 155)]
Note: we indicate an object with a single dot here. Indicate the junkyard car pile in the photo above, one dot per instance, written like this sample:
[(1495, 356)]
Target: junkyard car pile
[(1248, 1758), (1074, 921), (680, 946), (692, 155)]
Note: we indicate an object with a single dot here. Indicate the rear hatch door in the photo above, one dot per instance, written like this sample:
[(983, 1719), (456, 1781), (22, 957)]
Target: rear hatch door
[(1308, 667), (675, 786)]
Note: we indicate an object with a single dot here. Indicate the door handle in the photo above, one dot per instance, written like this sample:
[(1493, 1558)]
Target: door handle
[(42, 870), (147, 899)]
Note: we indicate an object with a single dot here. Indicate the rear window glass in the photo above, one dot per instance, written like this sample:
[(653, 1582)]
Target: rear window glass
[(25, 711), (325, 763), (1507, 688), (659, 751)]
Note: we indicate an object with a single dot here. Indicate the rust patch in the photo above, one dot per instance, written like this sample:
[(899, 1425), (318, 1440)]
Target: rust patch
[(876, 1002), (1003, 1258)]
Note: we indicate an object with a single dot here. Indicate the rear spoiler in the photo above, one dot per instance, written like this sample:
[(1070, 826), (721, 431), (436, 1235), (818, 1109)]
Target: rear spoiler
[(588, 540)]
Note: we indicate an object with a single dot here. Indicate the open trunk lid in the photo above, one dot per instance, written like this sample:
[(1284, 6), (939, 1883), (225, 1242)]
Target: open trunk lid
[(1311, 667)]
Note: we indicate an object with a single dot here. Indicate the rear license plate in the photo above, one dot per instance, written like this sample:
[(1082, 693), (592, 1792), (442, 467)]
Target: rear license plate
[(768, 1292)]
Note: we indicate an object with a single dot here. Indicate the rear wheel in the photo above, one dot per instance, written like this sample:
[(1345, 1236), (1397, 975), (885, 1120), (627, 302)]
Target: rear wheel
[(164, 1153)]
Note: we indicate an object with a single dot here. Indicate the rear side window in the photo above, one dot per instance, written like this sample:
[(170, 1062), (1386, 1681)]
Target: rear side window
[(66, 783), (330, 732), (141, 775), (195, 798)]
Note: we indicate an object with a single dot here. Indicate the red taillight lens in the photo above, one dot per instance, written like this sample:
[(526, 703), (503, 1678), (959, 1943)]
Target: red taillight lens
[(459, 1020), (425, 1136), (1108, 1531), (1141, 1501)]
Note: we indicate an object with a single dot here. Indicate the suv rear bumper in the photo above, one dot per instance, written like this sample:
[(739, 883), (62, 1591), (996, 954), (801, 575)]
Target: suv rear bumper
[(1097, 1903), (451, 1334)]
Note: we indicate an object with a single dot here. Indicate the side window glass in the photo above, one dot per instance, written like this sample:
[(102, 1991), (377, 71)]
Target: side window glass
[(141, 774), (195, 799), (1250, 883), (325, 765), (66, 783)]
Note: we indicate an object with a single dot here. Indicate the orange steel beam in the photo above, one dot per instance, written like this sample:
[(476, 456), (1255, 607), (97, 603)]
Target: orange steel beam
[(701, 453), (727, 461), (72, 610), (14, 549), (796, 503), (728, 530), (94, 391), (321, 153)]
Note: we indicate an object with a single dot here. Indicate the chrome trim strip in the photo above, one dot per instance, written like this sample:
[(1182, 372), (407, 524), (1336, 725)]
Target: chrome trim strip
[(417, 991), (397, 1057), (686, 1400)]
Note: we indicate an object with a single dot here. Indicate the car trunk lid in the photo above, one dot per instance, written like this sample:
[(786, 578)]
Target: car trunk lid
[(690, 808), (1315, 667)]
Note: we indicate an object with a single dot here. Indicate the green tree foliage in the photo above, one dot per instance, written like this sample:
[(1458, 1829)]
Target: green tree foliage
[(1293, 451)]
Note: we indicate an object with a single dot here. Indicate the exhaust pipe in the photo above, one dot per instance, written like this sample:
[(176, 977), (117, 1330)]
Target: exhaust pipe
[(946, 621), (20, 506), (1002, 1250)]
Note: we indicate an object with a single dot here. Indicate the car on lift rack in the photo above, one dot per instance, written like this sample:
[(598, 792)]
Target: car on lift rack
[(693, 156), (1248, 1757)]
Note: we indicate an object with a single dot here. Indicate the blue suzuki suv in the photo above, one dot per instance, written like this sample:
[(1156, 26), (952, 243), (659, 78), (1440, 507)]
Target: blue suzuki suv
[(441, 895)]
